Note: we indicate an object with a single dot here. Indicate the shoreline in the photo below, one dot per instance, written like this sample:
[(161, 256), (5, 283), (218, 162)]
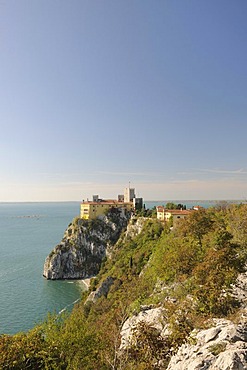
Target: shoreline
[(86, 282)]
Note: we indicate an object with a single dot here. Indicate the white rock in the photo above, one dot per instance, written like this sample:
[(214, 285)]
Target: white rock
[(222, 347), (153, 317), (80, 253)]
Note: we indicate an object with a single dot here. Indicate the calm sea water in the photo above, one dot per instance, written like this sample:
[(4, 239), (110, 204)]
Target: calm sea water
[(28, 232), (190, 203)]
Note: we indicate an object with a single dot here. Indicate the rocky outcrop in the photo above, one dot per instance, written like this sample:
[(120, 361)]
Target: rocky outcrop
[(80, 253), (135, 227), (102, 290), (222, 347), (153, 317)]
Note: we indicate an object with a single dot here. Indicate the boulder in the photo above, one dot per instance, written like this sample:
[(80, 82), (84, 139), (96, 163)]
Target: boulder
[(153, 317)]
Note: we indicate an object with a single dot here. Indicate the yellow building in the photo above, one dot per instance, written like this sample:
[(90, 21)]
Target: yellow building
[(176, 214), (160, 213), (98, 207)]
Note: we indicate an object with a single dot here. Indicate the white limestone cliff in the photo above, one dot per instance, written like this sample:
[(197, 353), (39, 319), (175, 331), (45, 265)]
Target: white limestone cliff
[(83, 247)]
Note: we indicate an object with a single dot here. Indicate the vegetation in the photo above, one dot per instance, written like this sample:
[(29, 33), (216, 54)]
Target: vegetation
[(188, 271), (171, 205), (147, 212)]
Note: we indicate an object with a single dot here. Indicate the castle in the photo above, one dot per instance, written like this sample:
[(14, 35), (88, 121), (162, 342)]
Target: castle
[(124, 203)]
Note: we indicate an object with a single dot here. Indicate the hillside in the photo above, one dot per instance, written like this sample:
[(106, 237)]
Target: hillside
[(162, 300)]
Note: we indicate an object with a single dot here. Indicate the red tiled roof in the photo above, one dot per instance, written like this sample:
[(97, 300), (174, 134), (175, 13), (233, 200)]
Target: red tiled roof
[(160, 208), (178, 211), (173, 211)]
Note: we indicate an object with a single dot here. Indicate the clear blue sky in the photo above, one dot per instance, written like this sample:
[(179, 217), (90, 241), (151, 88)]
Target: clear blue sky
[(94, 94)]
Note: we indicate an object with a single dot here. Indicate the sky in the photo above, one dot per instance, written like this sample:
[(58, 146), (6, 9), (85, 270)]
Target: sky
[(95, 95)]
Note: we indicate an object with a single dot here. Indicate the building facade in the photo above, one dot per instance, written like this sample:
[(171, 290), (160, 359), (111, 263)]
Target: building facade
[(165, 215), (92, 209), (124, 203)]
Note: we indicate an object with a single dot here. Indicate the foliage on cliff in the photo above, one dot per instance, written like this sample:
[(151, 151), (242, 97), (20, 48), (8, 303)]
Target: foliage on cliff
[(189, 272)]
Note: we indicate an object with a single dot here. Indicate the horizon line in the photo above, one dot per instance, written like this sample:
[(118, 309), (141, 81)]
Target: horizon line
[(148, 200)]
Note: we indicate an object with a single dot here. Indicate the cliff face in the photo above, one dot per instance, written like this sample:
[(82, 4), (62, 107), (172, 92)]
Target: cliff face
[(84, 244)]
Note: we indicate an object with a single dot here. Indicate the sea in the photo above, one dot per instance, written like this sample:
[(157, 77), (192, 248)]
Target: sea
[(28, 233)]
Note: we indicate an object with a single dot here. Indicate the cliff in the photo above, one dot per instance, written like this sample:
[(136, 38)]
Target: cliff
[(162, 299), (83, 247)]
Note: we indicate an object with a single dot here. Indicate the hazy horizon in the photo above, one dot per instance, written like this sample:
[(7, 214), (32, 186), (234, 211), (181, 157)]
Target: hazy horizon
[(145, 200)]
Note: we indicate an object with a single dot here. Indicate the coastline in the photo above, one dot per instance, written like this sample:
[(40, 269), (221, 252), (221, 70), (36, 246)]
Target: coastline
[(86, 282)]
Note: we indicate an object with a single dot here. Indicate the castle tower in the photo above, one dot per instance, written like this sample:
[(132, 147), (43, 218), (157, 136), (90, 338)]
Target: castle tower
[(129, 194)]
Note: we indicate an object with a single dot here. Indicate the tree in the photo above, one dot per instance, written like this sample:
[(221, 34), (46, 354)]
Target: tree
[(215, 274), (171, 205), (197, 224)]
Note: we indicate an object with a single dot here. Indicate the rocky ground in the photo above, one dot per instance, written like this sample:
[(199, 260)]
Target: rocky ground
[(223, 346)]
